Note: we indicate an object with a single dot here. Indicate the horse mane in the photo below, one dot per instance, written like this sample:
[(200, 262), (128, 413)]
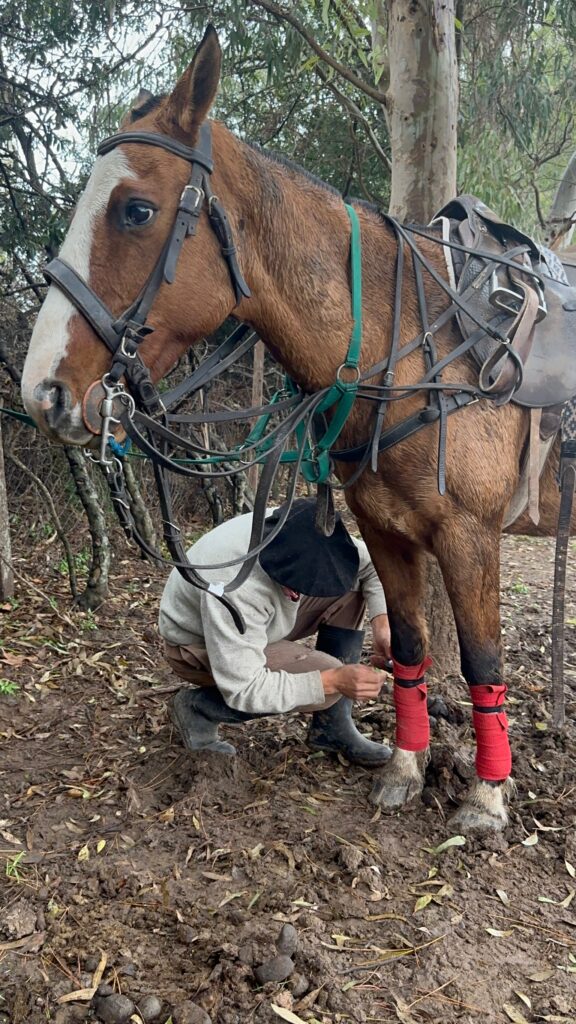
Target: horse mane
[(284, 161), (152, 103)]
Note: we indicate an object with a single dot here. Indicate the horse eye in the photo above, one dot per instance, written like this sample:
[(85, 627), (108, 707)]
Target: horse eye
[(137, 214)]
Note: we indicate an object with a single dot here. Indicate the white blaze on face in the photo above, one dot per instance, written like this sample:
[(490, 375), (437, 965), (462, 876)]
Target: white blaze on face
[(50, 337)]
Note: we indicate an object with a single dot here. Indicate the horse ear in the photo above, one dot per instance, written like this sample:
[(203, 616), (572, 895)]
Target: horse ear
[(195, 92)]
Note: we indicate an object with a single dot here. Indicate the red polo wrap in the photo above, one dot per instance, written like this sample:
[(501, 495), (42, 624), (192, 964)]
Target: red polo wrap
[(410, 672), (412, 725), (493, 755)]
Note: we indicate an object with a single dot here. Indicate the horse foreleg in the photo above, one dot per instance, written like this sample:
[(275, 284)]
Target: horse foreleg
[(401, 567), (469, 556)]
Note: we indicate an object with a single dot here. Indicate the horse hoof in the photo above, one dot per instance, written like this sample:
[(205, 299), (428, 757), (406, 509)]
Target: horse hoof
[(470, 819), (391, 794)]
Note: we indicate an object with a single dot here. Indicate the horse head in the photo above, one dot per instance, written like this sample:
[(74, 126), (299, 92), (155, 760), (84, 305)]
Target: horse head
[(117, 243)]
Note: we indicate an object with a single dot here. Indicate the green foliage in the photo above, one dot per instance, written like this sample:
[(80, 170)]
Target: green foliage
[(70, 68), (518, 94), (82, 561), (12, 864), (8, 688)]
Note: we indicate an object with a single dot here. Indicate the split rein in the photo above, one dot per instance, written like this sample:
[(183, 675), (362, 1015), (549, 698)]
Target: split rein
[(145, 414)]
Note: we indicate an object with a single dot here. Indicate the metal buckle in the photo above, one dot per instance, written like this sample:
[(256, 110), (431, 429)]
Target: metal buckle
[(199, 195)]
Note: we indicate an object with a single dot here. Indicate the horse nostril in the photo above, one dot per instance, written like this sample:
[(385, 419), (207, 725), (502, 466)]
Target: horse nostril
[(55, 401)]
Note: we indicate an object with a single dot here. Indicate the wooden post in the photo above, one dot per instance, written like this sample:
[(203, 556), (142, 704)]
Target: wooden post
[(257, 399), (6, 574)]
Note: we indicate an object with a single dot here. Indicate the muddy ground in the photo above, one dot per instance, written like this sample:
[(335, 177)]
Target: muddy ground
[(129, 863)]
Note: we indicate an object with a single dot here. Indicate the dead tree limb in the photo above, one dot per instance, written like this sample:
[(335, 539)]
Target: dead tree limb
[(97, 588), (54, 517)]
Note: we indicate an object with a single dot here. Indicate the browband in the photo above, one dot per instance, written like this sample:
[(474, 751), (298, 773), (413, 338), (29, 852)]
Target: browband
[(201, 156)]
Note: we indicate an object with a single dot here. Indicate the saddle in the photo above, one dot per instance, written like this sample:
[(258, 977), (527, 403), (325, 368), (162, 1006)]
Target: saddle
[(526, 302)]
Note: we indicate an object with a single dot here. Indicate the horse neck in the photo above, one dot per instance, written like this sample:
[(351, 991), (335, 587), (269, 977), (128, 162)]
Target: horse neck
[(294, 236)]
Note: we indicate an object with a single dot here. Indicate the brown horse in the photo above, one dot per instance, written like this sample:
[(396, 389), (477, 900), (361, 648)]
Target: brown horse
[(293, 236)]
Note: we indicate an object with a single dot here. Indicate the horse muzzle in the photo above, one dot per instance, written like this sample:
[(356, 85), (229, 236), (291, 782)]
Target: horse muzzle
[(52, 407)]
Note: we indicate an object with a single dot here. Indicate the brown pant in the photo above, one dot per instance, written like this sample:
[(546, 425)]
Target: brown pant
[(191, 663)]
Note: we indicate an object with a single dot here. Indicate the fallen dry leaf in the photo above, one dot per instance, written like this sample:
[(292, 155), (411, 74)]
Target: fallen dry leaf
[(288, 1015), (515, 1015), (81, 995)]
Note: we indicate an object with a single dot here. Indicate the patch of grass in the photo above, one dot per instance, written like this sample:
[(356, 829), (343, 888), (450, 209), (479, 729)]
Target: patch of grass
[(81, 563), (8, 687), (88, 622), (519, 588), (12, 865)]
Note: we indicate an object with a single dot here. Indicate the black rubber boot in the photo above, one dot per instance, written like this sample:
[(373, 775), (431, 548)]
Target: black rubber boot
[(333, 729), (344, 644), (197, 713)]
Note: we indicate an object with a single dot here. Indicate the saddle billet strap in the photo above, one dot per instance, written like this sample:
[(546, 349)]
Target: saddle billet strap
[(457, 299), (393, 354), (504, 342), (440, 322), (430, 357)]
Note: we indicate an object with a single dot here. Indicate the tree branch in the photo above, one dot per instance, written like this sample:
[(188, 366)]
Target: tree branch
[(284, 15), (54, 516), (356, 113)]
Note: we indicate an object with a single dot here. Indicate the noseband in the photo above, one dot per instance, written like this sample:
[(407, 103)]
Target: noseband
[(122, 335)]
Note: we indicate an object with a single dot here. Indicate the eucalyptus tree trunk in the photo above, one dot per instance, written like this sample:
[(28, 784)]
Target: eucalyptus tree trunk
[(422, 113), (562, 215), (422, 104)]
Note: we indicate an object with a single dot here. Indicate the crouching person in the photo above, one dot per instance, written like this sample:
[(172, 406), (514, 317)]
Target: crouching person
[(303, 584)]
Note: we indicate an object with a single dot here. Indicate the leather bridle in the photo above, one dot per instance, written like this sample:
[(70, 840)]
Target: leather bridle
[(122, 335)]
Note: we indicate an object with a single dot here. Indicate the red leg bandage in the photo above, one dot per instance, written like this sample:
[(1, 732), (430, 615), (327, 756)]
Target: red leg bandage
[(412, 724), (493, 755)]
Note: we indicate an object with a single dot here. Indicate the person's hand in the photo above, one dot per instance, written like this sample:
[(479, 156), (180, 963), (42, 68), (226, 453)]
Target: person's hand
[(360, 682), (381, 642)]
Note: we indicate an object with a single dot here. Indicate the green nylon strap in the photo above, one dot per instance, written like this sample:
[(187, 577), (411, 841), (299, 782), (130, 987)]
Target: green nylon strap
[(316, 466), (15, 415), (353, 357)]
